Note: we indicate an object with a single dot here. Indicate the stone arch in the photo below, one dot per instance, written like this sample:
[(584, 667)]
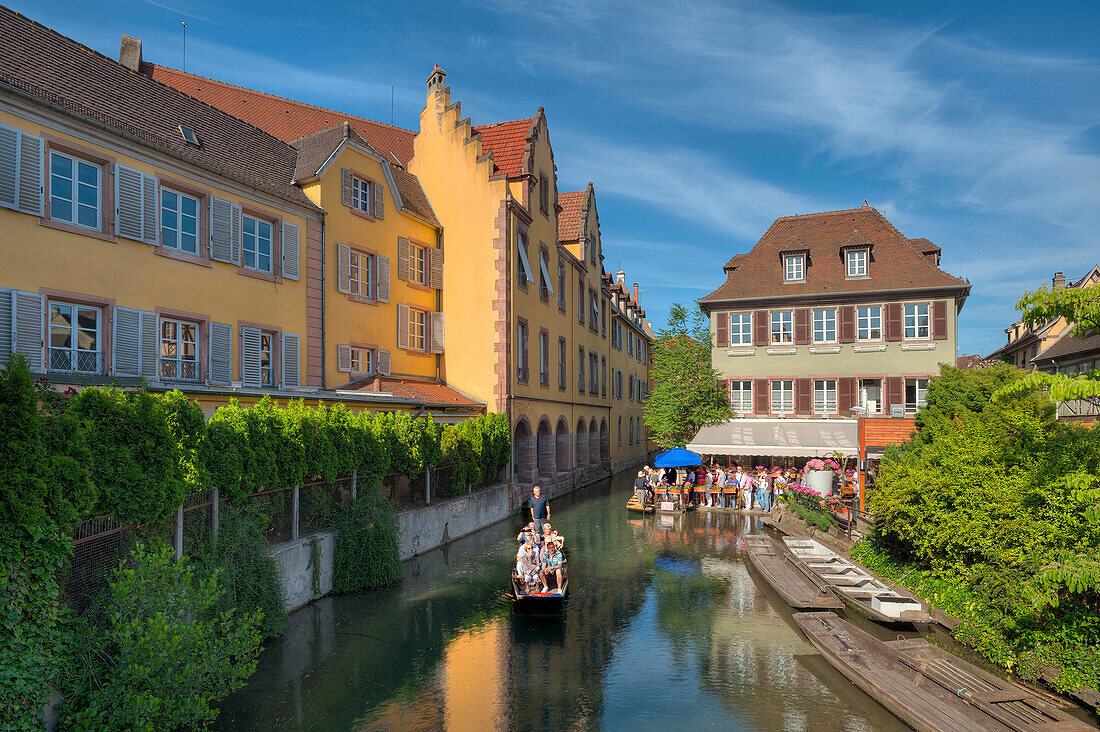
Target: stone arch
[(593, 443), (545, 450), (581, 441), (564, 447), (524, 442), (605, 442)]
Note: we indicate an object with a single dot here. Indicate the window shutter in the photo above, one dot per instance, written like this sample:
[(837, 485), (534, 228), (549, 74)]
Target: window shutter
[(895, 393), (129, 219), (148, 345), (402, 258), (29, 194), (847, 323), (27, 331), (435, 268), (722, 339), (5, 320), (150, 211), (235, 242), (221, 230), (803, 396), (384, 363), (379, 201), (343, 357), (343, 269), (939, 320), (9, 166), (221, 339), (437, 332), (127, 342), (250, 356), (291, 255), (846, 395), (382, 279), (760, 328), (402, 326), (291, 356), (893, 321), (760, 396), (802, 326), (347, 178)]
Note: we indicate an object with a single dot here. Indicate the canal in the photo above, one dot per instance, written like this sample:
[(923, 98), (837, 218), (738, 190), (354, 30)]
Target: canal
[(665, 628)]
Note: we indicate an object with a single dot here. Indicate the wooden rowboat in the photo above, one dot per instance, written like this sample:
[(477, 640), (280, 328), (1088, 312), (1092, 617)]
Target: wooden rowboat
[(929, 690), (785, 575), (537, 601)]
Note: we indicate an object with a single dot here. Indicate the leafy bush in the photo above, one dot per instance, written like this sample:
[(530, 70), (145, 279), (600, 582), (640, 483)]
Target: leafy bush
[(367, 553)]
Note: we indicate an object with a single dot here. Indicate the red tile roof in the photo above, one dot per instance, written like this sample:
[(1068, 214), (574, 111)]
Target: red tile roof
[(571, 217), (287, 119), (896, 264), (431, 393), (507, 141)]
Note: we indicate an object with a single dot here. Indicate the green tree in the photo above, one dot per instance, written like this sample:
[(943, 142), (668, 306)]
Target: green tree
[(959, 391), (685, 396)]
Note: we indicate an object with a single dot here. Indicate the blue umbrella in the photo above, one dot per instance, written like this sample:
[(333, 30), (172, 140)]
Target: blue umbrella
[(677, 457)]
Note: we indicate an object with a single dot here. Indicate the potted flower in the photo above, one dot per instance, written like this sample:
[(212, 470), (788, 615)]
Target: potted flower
[(819, 475)]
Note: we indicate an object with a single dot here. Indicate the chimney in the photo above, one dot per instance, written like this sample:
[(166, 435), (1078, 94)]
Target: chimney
[(438, 77), (1059, 281), (635, 292), (129, 53), (620, 277)]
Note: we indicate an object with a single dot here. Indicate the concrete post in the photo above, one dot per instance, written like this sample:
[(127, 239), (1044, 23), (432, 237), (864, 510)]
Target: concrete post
[(214, 517), (294, 511), (179, 533), (354, 482), (427, 486)]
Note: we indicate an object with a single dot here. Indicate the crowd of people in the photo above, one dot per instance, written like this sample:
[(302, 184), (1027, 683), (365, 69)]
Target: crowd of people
[(540, 561), (716, 486)]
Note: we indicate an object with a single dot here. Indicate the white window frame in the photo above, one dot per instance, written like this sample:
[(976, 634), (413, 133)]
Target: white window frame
[(544, 358), (741, 396), (418, 264), (362, 360), (176, 341), (867, 322), (267, 373), (594, 310), (740, 328), (824, 321), (257, 224), (563, 364), (920, 393), (361, 195), (794, 268), (361, 274), (825, 397), (74, 351), (915, 318), (418, 330), (785, 402), (785, 321), (864, 385), (561, 288), (523, 336), (177, 230), (75, 186), (856, 263)]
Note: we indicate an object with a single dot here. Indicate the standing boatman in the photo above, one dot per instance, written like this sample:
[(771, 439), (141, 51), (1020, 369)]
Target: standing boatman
[(540, 509)]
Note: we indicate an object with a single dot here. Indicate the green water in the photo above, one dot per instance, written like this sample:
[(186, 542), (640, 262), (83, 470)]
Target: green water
[(665, 628)]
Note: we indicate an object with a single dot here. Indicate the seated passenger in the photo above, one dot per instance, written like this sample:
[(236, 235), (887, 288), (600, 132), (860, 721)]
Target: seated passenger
[(558, 539), (552, 567), (527, 565)]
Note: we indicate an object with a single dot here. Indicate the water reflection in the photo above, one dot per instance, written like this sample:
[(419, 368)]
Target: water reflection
[(664, 628)]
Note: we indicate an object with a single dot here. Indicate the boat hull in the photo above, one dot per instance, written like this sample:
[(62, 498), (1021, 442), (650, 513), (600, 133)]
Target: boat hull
[(781, 572)]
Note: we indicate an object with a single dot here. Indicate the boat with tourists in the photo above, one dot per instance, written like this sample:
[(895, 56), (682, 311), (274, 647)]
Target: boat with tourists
[(928, 688), (857, 587), (790, 579), (540, 573)]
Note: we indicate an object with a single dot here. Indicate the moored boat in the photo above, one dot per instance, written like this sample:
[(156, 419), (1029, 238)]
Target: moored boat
[(784, 575)]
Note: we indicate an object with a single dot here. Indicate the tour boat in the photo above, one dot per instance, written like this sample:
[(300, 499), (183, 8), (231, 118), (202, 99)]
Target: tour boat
[(538, 601), (633, 504)]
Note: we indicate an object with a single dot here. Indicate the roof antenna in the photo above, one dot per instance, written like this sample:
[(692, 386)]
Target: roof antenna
[(392, 87), (184, 24)]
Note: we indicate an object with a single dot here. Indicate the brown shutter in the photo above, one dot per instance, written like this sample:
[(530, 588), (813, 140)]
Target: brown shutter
[(847, 323), (760, 396), (760, 327), (402, 258), (802, 326), (435, 268), (384, 358), (436, 323), (379, 201), (846, 395), (343, 357), (402, 326), (895, 394), (723, 330), (343, 269), (939, 320), (346, 177), (382, 278), (893, 321), (803, 396)]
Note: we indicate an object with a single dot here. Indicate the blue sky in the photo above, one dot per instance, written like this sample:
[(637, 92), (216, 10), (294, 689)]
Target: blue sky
[(976, 125)]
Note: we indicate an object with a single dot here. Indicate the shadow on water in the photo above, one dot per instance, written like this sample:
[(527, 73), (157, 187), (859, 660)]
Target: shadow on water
[(664, 628)]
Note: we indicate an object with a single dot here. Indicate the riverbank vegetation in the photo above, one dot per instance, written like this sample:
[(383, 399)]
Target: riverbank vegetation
[(807, 505), (992, 512)]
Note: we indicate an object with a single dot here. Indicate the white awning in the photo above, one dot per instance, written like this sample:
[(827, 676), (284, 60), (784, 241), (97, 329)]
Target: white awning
[(546, 275), (779, 438), (526, 263)]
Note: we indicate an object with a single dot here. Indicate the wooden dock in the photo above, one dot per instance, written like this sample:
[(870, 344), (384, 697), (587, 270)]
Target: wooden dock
[(784, 574), (930, 690), (635, 505)]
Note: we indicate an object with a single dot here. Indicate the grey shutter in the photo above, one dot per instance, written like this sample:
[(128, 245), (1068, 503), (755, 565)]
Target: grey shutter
[(135, 205), (291, 356), (382, 280), (250, 356), (148, 345), (126, 344), (9, 166), (343, 357), (5, 324), (402, 258), (28, 326), (235, 242), (437, 332), (435, 268), (221, 230), (343, 269), (291, 255), (402, 326), (221, 340), (384, 363), (346, 178), (29, 195), (379, 201)]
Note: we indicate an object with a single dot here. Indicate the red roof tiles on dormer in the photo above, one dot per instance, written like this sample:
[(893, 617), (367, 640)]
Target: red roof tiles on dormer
[(507, 141), (571, 217)]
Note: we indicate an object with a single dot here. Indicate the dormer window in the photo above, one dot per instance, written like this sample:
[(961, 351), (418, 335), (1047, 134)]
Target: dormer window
[(855, 263), (794, 268)]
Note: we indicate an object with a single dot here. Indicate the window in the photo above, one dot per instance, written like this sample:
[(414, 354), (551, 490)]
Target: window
[(521, 351), (783, 327), (630, 343), (75, 191), (740, 329), (267, 359), (825, 396), (620, 431), (593, 373), (916, 321), (620, 384), (869, 323), (523, 274), (631, 430), (825, 326), (580, 300), (362, 360), (782, 396), (794, 268), (544, 275), (594, 310), (631, 387), (580, 369), (361, 198), (179, 221), (561, 363), (870, 395), (361, 267), (617, 334), (603, 376), (256, 243), (741, 396), (418, 330), (75, 336), (179, 353), (561, 287), (418, 264), (856, 263), (544, 358), (915, 392), (544, 193)]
